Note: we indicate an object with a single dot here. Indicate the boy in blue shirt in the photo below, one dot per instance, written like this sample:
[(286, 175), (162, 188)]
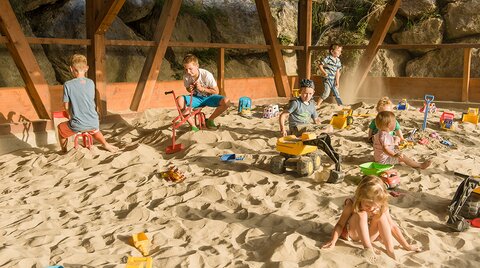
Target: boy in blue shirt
[(79, 99), (300, 111), (330, 70)]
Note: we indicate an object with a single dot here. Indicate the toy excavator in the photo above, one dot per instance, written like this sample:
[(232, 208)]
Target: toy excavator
[(301, 155), (465, 203)]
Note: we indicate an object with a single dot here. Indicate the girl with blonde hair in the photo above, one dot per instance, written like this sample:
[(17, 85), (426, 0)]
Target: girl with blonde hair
[(366, 218)]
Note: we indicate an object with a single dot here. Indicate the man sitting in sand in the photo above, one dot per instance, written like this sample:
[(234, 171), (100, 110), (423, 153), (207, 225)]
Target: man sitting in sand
[(205, 92), (79, 99), (300, 111)]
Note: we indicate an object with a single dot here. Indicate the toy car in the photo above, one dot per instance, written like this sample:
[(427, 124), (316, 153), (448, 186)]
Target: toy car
[(403, 105), (390, 178), (470, 116), (271, 111), (342, 119), (446, 121), (301, 155)]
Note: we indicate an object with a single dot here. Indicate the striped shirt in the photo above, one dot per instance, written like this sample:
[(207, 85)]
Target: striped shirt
[(331, 65)]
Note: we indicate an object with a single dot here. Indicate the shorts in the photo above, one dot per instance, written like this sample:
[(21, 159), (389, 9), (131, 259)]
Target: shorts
[(299, 129), (390, 160), (65, 131), (202, 101)]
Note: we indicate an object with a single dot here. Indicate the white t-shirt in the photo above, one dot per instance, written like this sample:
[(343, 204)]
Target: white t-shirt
[(205, 78)]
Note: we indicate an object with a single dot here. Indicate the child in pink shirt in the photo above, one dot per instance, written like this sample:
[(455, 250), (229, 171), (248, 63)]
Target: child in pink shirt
[(384, 143)]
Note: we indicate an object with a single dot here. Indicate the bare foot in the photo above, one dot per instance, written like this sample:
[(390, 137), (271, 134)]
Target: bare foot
[(110, 148), (413, 248), (425, 164), (391, 254)]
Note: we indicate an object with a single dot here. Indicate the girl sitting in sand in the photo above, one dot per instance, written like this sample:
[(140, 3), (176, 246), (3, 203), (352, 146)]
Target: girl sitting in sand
[(384, 143), (384, 104), (366, 218)]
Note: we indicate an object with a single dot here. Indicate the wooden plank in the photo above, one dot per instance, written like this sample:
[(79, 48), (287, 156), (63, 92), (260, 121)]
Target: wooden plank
[(304, 60), (376, 40), (22, 54), (151, 68), (275, 54), (221, 71), (467, 63), (96, 55), (107, 15)]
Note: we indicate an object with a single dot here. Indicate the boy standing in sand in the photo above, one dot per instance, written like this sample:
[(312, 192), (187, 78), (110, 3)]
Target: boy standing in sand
[(205, 90), (330, 70), (79, 99), (300, 111)]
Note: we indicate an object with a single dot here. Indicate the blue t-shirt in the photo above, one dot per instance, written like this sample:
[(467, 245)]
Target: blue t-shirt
[(80, 94), (331, 65), (301, 113)]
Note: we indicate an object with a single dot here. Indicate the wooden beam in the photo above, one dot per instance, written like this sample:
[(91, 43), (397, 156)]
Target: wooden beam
[(151, 68), (96, 55), (274, 52), (221, 71), (22, 54), (376, 40), (304, 60), (467, 62), (107, 15)]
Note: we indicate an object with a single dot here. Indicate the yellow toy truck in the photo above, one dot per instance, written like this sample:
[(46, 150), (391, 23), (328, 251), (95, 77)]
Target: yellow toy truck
[(342, 119), (301, 155), (470, 116)]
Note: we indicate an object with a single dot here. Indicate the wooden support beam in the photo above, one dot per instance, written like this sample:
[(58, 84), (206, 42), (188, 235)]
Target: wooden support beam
[(22, 54), (221, 71), (304, 60), (96, 55), (467, 62), (107, 15), (376, 40), (151, 68), (274, 52)]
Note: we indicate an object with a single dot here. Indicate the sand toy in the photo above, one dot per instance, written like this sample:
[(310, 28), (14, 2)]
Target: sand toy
[(390, 178), (342, 119), (461, 199), (183, 116), (231, 157), (271, 111), (403, 105), (374, 168), (470, 116), (428, 99), (244, 103), (139, 262), (173, 174), (141, 242), (446, 121), (301, 155)]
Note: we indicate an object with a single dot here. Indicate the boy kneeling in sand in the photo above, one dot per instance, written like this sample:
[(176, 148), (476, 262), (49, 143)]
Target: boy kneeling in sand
[(79, 96), (300, 110)]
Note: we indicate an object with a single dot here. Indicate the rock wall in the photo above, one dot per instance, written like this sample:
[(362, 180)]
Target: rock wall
[(236, 21)]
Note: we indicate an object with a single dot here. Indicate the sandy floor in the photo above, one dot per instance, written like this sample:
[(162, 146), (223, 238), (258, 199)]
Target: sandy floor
[(80, 209)]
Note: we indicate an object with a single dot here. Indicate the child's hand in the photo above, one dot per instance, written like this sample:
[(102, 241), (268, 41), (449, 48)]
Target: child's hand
[(329, 244), (396, 140), (284, 133), (370, 255)]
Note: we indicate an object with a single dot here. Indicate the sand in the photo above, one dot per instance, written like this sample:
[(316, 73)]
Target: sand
[(80, 209)]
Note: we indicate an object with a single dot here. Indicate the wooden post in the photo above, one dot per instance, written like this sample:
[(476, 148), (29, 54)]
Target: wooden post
[(221, 71), (376, 40), (151, 68), (467, 62), (304, 60), (274, 52), (22, 54), (99, 16)]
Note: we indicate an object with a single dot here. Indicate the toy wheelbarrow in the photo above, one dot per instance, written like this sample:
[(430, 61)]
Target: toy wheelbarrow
[(231, 157)]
